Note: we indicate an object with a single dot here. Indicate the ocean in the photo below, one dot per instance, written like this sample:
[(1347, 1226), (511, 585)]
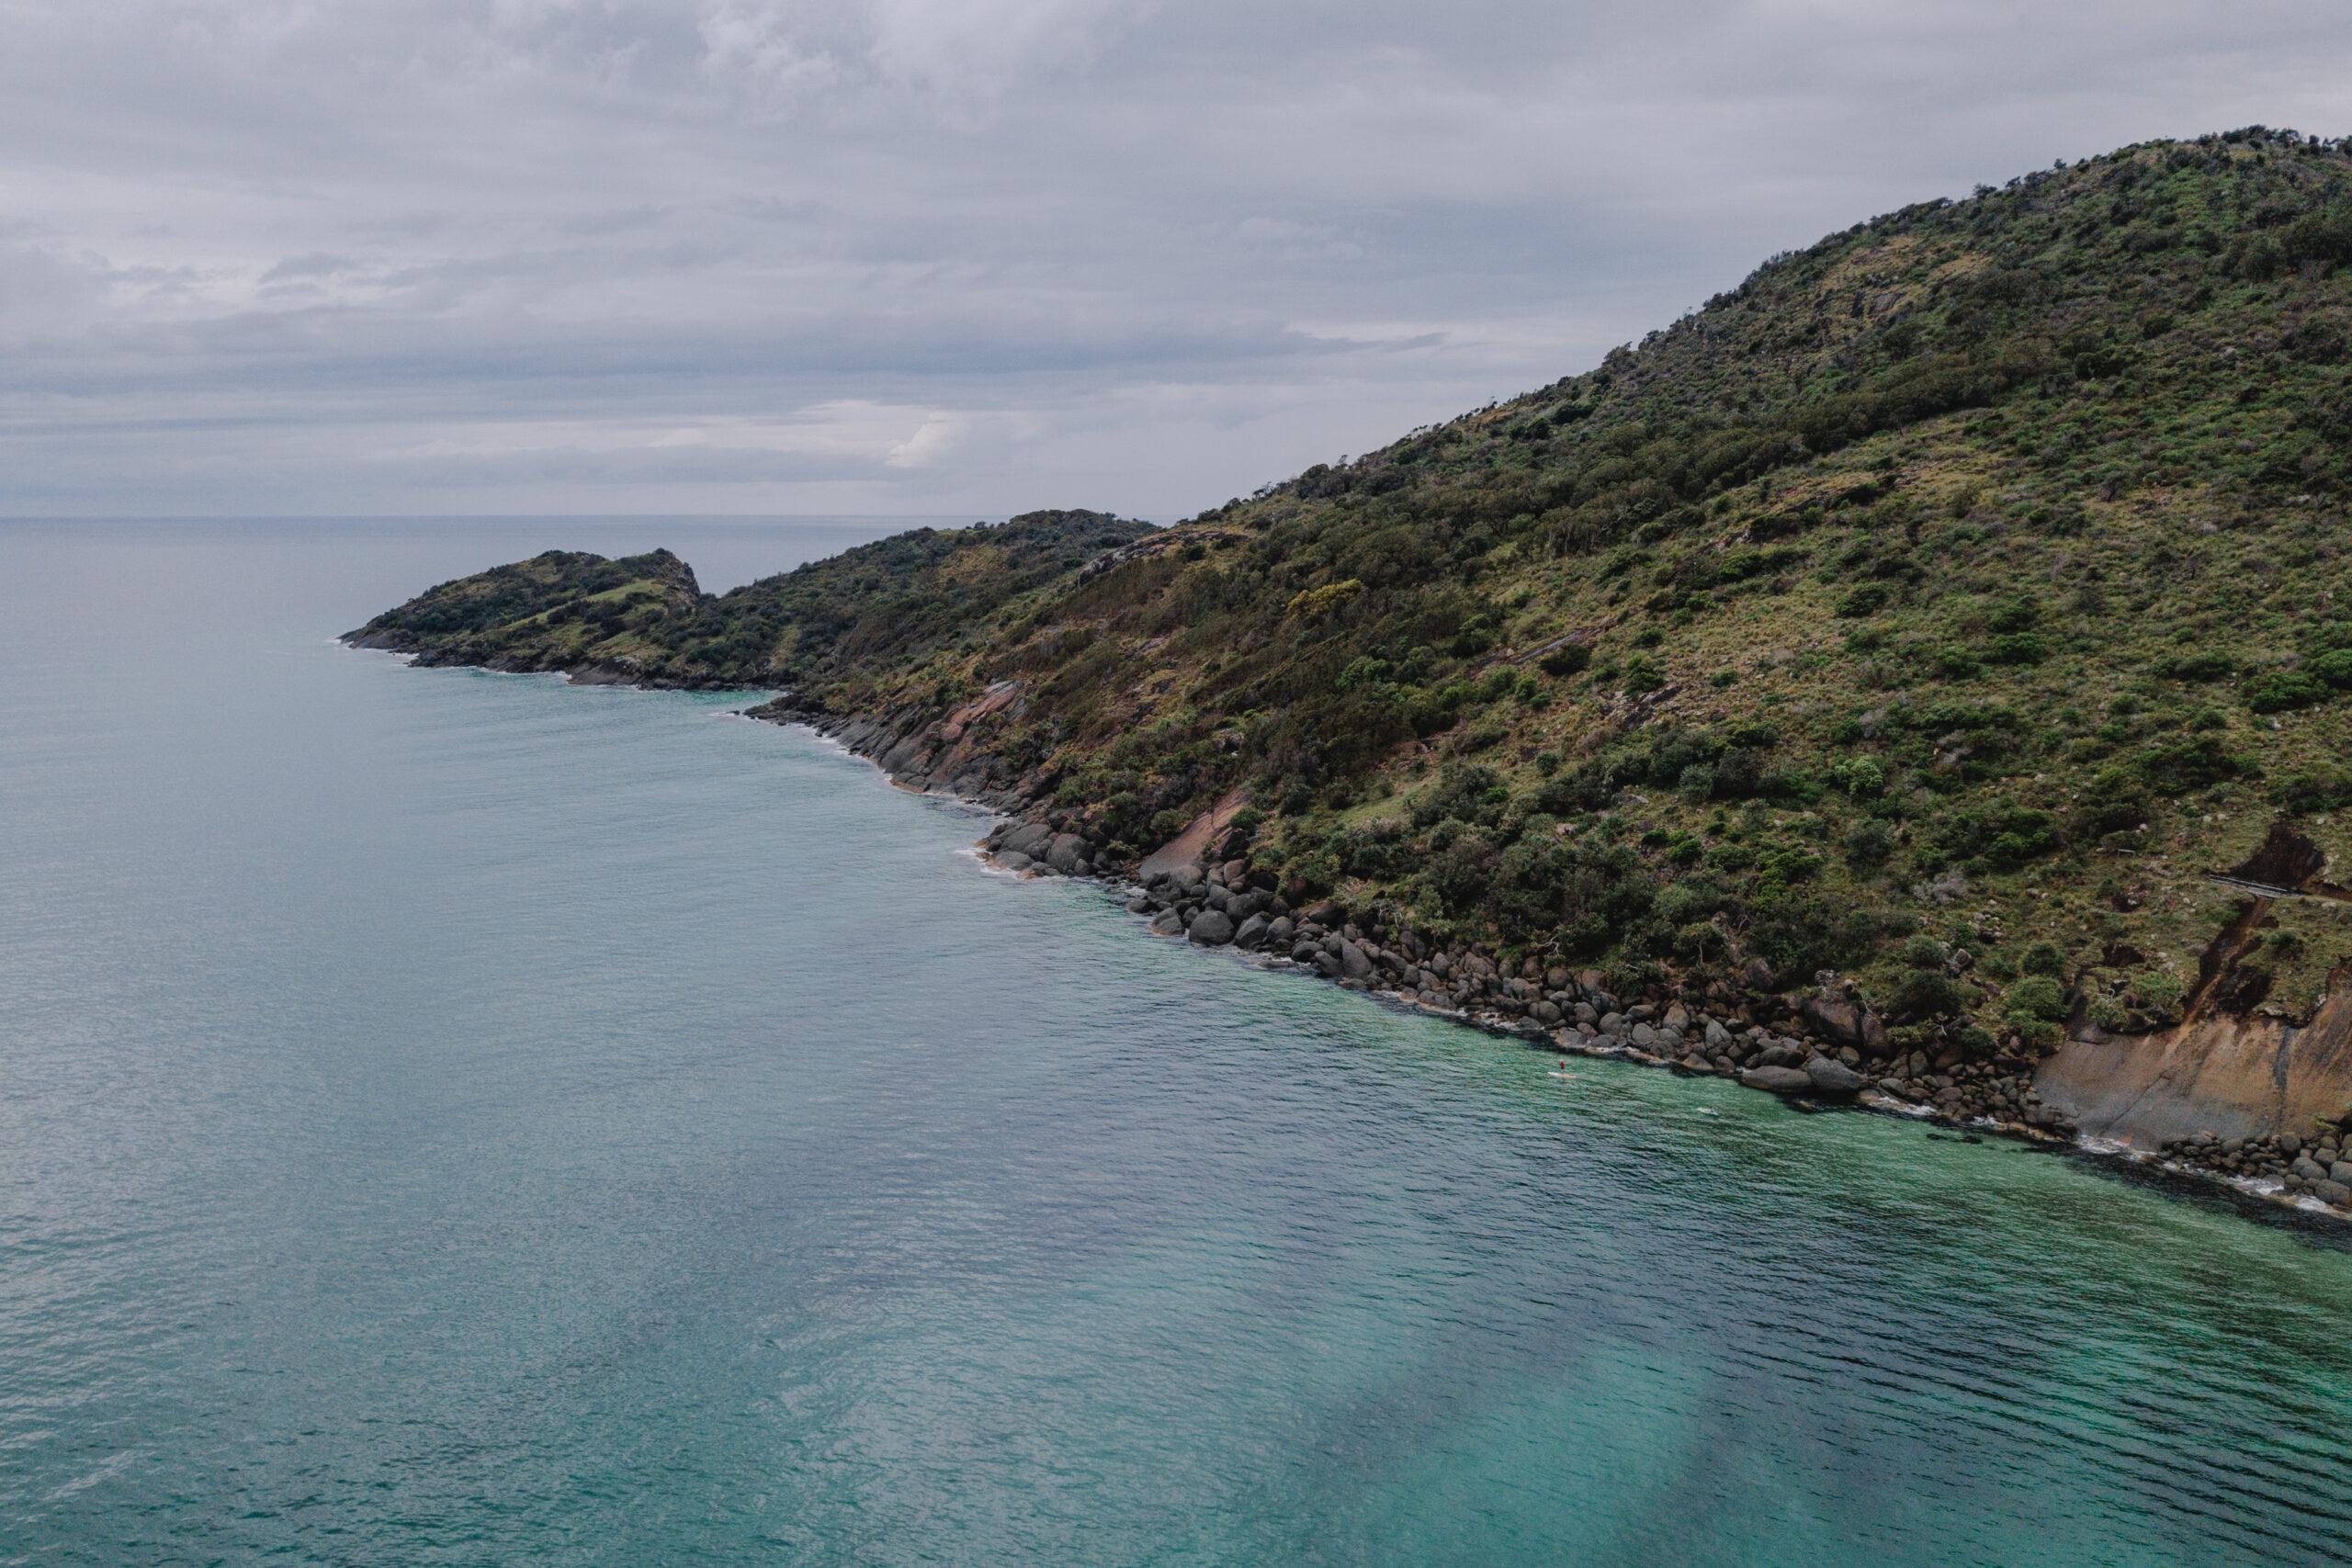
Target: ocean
[(457, 1118)]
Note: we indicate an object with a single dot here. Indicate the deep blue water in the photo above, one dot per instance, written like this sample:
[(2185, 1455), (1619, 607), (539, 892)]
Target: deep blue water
[(449, 1118)]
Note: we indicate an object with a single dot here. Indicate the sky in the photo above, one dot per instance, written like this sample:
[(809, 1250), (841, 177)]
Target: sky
[(954, 257)]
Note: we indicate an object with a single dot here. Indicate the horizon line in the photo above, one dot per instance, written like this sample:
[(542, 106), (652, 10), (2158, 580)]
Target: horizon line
[(962, 519)]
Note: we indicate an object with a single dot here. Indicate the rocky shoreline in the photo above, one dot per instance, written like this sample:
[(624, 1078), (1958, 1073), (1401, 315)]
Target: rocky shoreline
[(1812, 1048), (1825, 1048)]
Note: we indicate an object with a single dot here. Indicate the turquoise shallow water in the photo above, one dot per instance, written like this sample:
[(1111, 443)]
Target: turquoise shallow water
[(449, 1118)]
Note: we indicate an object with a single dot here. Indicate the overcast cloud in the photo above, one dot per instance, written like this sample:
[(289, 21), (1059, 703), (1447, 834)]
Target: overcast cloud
[(351, 257)]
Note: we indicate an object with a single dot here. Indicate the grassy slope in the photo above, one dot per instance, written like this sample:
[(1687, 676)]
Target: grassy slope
[(1971, 580), (1968, 580)]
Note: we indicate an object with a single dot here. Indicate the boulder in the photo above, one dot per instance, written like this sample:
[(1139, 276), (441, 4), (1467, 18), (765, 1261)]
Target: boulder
[(1027, 838), (1211, 928), (1252, 932), (1832, 1076), (1012, 860), (2335, 1192), (1778, 1081), (1840, 1021), (1065, 852), (1168, 923)]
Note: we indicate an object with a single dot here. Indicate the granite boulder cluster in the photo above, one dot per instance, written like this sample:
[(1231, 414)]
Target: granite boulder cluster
[(1825, 1046), (1037, 847), (2319, 1165)]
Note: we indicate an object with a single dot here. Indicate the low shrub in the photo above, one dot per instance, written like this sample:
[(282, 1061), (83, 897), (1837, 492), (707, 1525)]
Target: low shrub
[(1317, 603), (2197, 668), (2282, 691), (2037, 998), (1868, 843), (1568, 658), (1866, 600), (1860, 777), (2018, 648), (2195, 764), (2335, 667), (1926, 993), (2314, 790), (2115, 801)]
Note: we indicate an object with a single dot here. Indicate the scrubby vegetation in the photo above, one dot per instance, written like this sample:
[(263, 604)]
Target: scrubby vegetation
[(883, 605), (1939, 606)]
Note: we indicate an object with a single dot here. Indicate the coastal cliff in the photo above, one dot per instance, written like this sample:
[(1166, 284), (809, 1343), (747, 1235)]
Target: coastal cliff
[(1887, 680)]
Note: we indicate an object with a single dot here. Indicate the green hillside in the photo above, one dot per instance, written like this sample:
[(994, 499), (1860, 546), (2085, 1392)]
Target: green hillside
[(1939, 606)]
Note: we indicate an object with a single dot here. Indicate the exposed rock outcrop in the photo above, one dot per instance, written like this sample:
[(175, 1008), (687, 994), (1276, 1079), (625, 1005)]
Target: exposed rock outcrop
[(2230, 1070), (2232, 1075)]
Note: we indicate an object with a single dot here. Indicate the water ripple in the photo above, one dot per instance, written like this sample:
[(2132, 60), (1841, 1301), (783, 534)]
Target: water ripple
[(447, 1119)]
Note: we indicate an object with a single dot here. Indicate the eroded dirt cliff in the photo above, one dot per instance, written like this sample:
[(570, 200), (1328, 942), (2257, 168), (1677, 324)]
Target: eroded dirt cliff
[(2234, 1065)]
